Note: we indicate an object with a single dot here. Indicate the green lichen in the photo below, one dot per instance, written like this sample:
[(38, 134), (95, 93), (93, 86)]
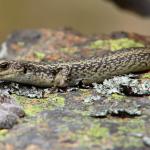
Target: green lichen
[(132, 126), (32, 110), (146, 75), (33, 106), (100, 44), (69, 50), (132, 142), (124, 43), (39, 55), (3, 134), (94, 132), (97, 131), (87, 137), (115, 44), (98, 135), (57, 101), (116, 96), (125, 141), (125, 137)]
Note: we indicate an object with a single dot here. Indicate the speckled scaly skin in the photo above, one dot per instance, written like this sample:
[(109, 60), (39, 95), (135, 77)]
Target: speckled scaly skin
[(88, 71)]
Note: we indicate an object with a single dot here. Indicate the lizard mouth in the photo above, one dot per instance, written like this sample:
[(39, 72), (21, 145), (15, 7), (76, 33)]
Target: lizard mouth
[(7, 74)]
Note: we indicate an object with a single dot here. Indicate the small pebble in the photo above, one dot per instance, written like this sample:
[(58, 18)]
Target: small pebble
[(7, 120)]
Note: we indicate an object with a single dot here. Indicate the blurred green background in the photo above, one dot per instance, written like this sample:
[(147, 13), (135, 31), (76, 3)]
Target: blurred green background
[(87, 16)]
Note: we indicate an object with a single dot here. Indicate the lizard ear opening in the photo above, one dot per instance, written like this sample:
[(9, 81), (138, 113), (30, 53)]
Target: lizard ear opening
[(4, 65)]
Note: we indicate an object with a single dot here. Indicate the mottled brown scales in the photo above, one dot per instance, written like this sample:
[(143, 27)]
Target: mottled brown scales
[(88, 71)]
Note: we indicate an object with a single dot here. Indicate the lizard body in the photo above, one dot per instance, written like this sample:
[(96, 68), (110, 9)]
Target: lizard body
[(87, 71)]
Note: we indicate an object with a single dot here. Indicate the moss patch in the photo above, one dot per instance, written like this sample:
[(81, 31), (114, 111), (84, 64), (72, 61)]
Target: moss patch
[(39, 55), (33, 106), (99, 135), (115, 44), (132, 126), (90, 136), (146, 75), (69, 50), (97, 131), (118, 97), (3, 134), (123, 141), (57, 101)]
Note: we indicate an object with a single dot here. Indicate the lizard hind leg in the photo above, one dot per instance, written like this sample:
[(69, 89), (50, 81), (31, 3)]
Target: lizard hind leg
[(62, 78)]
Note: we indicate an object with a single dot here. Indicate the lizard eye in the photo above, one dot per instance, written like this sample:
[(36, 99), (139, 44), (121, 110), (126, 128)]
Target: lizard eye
[(4, 65)]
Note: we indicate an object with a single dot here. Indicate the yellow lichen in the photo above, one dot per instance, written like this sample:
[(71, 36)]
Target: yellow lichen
[(115, 44)]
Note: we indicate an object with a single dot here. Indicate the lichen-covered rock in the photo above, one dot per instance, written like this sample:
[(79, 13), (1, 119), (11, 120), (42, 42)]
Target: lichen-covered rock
[(112, 115)]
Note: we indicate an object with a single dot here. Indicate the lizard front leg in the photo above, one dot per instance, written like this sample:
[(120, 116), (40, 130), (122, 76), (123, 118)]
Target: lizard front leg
[(62, 77)]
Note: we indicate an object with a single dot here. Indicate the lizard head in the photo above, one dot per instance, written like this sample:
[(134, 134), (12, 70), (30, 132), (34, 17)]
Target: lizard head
[(25, 73), (9, 70)]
